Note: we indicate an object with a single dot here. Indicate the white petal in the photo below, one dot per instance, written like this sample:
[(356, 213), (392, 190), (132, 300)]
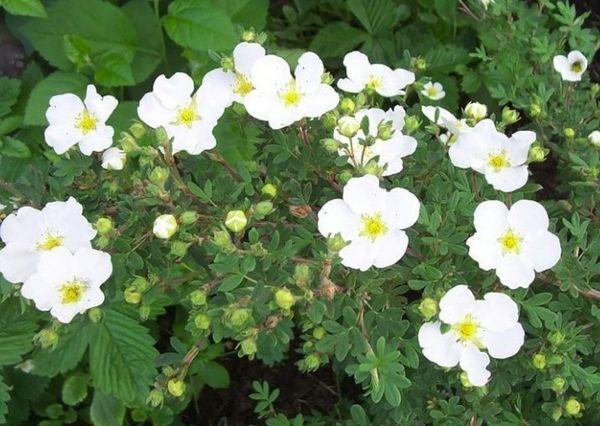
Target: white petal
[(444, 116), (18, 262), (97, 140), (485, 251), (363, 195), (63, 109), (101, 106), (336, 217), (404, 77), (317, 103), (93, 265), (152, 112), (460, 152), (61, 137), (528, 216), (309, 71), (456, 303), (350, 86), (561, 64), (504, 344), (245, 55), (508, 179), (390, 248), (401, 208), (174, 91), (542, 249), (491, 218), (474, 363), (439, 348), (390, 84), (359, 254), (259, 104), (519, 144), (220, 82), (24, 226), (357, 67), (497, 312), (270, 74), (38, 289), (515, 272)]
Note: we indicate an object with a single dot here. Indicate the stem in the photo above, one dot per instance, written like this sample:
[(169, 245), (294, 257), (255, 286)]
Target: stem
[(215, 156)]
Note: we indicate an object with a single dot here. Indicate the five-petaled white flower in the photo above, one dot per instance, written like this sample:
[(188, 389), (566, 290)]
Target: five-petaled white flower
[(445, 119), (281, 99), (234, 84), (572, 66), (73, 121), (501, 159), (389, 152), (188, 118), (491, 324), (113, 159), (433, 91), (363, 75), (516, 242), (67, 284), (371, 220), (29, 233)]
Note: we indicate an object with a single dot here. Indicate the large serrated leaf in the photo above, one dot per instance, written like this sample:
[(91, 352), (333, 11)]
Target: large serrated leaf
[(72, 343), (4, 398), (16, 332)]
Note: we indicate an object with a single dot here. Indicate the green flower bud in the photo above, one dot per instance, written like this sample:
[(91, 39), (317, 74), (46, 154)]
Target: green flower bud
[(240, 317), (179, 248), (140, 284), (269, 190), (573, 407), (476, 111), (537, 154), (144, 312), (248, 347), (159, 176), (348, 126), (411, 123), (95, 315), (347, 106), (557, 414), (330, 121), (102, 242), (420, 63), (161, 135), (165, 226), (236, 220), (336, 243), (227, 63), (262, 209), (248, 36), (509, 115), (138, 130), (464, 380), (188, 217), (312, 362), (330, 145), (222, 239), (326, 78), (319, 333), (176, 387), (569, 133), (104, 225), (128, 143), (301, 275), (539, 361), (594, 138), (385, 130), (372, 168), (132, 296), (345, 176), (284, 299), (202, 321), (46, 338), (558, 384), (556, 337), (198, 297), (428, 308), (535, 109)]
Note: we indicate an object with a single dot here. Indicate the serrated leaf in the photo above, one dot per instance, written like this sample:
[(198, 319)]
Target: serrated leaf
[(4, 398), (72, 343), (114, 70), (336, 39), (16, 332), (75, 389), (377, 16), (106, 410), (9, 92)]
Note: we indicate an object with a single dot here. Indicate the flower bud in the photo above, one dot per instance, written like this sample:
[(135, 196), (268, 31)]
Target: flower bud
[(202, 321), (284, 299), (573, 407), (176, 387), (240, 317), (312, 362), (227, 63), (161, 136), (269, 190), (509, 115), (198, 298), (102, 242), (319, 333), (556, 337), (138, 415), (104, 225), (594, 138), (46, 338), (557, 414), (179, 248), (464, 380), (347, 106), (301, 275), (411, 123), (331, 145), (535, 109), (385, 130), (539, 361), (569, 133), (330, 121), (132, 295), (236, 220), (348, 126), (165, 226), (95, 315), (537, 154), (476, 111), (128, 143), (336, 243), (113, 159), (188, 217), (373, 168), (326, 78), (558, 384), (140, 284), (262, 209), (248, 347), (144, 312), (138, 130), (345, 176), (248, 36), (155, 398), (159, 176), (428, 308), (222, 239), (420, 63)]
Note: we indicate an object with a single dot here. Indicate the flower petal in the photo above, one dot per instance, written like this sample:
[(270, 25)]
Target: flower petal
[(491, 218), (359, 254), (363, 195), (456, 303), (63, 109), (401, 209), (439, 348), (542, 249), (309, 71), (245, 55), (504, 344), (474, 363), (528, 216), (514, 272), (152, 112), (270, 74), (484, 250), (101, 106), (390, 248), (175, 91), (336, 217)]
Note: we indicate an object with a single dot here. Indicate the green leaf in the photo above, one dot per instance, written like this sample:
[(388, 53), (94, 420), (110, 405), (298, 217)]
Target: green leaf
[(214, 375), (75, 389), (122, 118), (247, 13), (377, 16), (12, 147), (17, 330), (4, 398), (106, 410), (33, 8), (9, 93), (336, 39), (199, 25), (114, 70), (230, 283), (55, 84), (72, 344), (122, 357)]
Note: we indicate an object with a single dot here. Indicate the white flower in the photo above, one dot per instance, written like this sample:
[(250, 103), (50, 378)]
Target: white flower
[(67, 284), (594, 138), (165, 226), (29, 233), (572, 66), (501, 159), (73, 121), (490, 324), (362, 75), (516, 242), (188, 118), (445, 119), (348, 126), (113, 159), (476, 111), (282, 99), (434, 91), (371, 220), (389, 152), (235, 84)]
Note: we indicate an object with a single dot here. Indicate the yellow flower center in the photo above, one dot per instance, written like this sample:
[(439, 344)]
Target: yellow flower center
[(187, 115), (72, 291), (291, 96), (576, 67), (373, 226), (50, 242), (374, 82), (510, 242), (86, 122), (467, 329), (432, 91), (243, 86), (498, 160)]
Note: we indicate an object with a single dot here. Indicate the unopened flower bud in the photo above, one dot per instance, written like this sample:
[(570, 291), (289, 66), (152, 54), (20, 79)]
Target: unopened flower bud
[(319, 333), (372, 168), (420, 63), (132, 295), (179, 248), (573, 407), (331, 145), (509, 115), (128, 143), (222, 239), (539, 361), (594, 138), (104, 226), (248, 347), (330, 121), (556, 337), (176, 387), (348, 126), (165, 226), (198, 298), (161, 135), (284, 299), (155, 398), (249, 36), (557, 414), (262, 209), (138, 130), (428, 308), (336, 243), (202, 321), (312, 362), (345, 176), (188, 217), (535, 109), (236, 220), (140, 284), (326, 78), (301, 275), (95, 315), (102, 242), (269, 190), (385, 130), (46, 338), (240, 317), (347, 106), (227, 63), (144, 312), (569, 133), (464, 380), (476, 111), (558, 384), (411, 123), (113, 159), (159, 176), (537, 154)]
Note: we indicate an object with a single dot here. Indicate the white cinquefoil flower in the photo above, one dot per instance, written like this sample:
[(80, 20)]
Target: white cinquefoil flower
[(372, 221), (516, 242), (363, 75), (113, 159), (73, 121), (490, 324), (445, 119), (281, 99), (572, 66), (389, 152), (501, 159), (29, 233), (188, 118), (67, 284), (235, 83), (434, 91)]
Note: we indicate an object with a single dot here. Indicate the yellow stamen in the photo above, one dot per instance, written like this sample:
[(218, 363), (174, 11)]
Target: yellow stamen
[(374, 82), (86, 122), (187, 115), (498, 160), (373, 226), (510, 242), (291, 96), (50, 242), (467, 329), (243, 86), (72, 291), (576, 67), (432, 91)]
